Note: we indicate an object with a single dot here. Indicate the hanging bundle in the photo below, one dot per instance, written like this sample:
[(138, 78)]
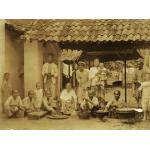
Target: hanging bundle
[(70, 55)]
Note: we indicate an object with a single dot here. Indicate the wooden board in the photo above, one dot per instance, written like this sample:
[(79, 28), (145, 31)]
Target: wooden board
[(57, 117), (37, 115)]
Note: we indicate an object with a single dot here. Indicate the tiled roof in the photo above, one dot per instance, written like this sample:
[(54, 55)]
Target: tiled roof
[(84, 30)]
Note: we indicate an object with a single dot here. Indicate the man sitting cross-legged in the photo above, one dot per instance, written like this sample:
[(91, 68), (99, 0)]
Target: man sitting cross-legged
[(30, 103), (13, 105), (90, 104), (68, 100), (114, 103), (48, 103)]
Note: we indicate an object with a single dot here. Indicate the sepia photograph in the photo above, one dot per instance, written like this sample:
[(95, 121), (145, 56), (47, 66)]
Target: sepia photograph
[(74, 74)]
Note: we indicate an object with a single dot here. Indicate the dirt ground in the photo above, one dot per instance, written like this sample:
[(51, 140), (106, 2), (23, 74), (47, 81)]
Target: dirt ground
[(74, 123), (70, 124)]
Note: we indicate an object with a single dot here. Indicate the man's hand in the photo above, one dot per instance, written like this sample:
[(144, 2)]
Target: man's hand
[(15, 108)]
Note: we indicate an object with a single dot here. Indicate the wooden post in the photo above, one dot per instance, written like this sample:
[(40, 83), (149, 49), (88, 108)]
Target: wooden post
[(2, 52), (59, 76), (33, 61), (125, 80), (59, 83)]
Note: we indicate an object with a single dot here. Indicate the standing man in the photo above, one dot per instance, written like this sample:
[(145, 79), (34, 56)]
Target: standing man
[(6, 89), (138, 79), (97, 77), (145, 89), (82, 76), (93, 73), (50, 74)]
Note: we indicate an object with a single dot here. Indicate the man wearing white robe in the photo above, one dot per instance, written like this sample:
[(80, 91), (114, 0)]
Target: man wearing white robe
[(50, 74)]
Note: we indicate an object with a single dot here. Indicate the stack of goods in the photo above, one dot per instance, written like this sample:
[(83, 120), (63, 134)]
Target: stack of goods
[(115, 71)]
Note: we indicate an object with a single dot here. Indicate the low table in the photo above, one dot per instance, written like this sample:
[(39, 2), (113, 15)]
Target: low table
[(131, 115)]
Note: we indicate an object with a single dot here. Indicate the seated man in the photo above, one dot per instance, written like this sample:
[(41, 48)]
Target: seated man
[(90, 103), (68, 100), (48, 103), (30, 103), (13, 105), (114, 103)]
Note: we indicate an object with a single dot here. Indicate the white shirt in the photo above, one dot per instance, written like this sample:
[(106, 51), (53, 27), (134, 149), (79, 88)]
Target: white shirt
[(119, 103), (82, 77), (67, 96), (50, 68), (66, 70), (145, 88), (92, 75), (94, 102), (13, 102), (39, 95)]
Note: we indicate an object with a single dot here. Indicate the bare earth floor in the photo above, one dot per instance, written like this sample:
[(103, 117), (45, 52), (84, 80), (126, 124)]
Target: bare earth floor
[(74, 123), (69, 124)]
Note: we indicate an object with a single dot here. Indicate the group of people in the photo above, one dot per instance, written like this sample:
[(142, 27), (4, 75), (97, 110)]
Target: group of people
[(36, 101), (88, 96)]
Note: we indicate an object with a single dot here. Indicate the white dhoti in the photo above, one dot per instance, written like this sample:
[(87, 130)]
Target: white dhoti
[(50, 83)]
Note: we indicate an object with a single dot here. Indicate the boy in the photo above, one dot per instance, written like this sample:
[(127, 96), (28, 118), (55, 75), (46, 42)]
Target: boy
[(39, 94)]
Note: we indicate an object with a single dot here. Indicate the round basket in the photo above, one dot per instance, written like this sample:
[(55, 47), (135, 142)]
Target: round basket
[(101, 114), (57, 117)]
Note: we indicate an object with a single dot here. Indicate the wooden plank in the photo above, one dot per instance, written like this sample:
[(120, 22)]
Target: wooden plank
[(37, 115)]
